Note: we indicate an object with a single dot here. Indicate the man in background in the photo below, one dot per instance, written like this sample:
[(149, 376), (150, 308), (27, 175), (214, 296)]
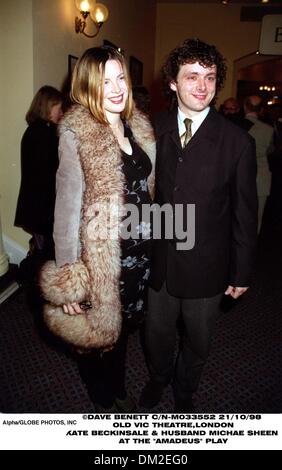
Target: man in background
[(263, 135)]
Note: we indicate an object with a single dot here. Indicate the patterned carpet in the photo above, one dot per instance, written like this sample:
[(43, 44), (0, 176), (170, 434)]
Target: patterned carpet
[(243, 373)]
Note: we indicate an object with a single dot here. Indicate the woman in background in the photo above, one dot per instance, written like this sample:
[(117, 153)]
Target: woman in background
[(39, 163)]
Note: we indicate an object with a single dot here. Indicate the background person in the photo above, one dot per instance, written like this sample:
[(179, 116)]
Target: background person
[(263, 134), (39, 163), (231, 110), (142, 100)]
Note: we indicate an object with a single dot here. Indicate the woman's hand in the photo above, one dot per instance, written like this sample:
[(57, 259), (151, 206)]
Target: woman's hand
[(72, 309)]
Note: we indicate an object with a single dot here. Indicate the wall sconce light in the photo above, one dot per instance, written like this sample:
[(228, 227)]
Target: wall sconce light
[(97, 11)]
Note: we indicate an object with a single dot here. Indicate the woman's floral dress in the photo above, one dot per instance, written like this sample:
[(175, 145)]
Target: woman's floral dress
[(135, 259)]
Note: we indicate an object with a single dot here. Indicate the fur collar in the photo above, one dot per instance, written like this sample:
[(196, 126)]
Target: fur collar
[(79, 120)]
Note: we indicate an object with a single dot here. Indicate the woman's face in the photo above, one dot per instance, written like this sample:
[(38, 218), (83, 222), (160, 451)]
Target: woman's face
[(115, 88), (56, 113)]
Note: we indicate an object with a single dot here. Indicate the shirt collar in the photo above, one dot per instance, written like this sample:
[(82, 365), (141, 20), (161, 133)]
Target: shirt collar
[(251, 117), (197, 120)]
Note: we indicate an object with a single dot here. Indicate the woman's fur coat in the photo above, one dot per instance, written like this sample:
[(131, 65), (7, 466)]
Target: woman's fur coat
[(95, 276)]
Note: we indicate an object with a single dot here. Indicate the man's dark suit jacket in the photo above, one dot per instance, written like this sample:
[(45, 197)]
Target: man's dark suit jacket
[(216, 172)]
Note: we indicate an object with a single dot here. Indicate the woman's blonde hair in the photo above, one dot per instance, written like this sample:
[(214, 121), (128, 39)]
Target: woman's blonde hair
[(88, 78), (42, 103)]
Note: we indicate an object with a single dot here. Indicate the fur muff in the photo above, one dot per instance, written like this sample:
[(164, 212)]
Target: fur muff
[(67, 284), (98, 327), (96, 276), (86, 331), (71, 283)]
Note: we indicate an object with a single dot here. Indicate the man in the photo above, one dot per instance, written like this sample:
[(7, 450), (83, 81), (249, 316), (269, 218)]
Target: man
[(231, 110), (230, 107), (263, 134), (214, 169)]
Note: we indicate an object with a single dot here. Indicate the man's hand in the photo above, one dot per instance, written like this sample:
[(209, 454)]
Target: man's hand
[(235, 292)]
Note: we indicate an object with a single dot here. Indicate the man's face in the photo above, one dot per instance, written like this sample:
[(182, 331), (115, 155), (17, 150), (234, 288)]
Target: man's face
[(230, 107), (195, 87)]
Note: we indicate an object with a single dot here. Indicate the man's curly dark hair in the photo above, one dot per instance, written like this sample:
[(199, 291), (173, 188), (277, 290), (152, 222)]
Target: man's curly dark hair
[(191, 51)]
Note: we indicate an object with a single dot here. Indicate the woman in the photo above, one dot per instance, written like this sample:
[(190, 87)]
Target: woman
[(98, 287), (39, 163)]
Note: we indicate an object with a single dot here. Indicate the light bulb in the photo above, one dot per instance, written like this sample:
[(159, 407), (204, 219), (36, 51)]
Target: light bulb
[(85, 5), (100, 13)]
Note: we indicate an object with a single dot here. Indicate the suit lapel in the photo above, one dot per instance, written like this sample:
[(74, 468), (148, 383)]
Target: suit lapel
[(207, 133), (169, 126), (176, 138)]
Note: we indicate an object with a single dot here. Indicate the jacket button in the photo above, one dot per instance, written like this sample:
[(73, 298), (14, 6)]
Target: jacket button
[(176, 188), (180, 159)]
